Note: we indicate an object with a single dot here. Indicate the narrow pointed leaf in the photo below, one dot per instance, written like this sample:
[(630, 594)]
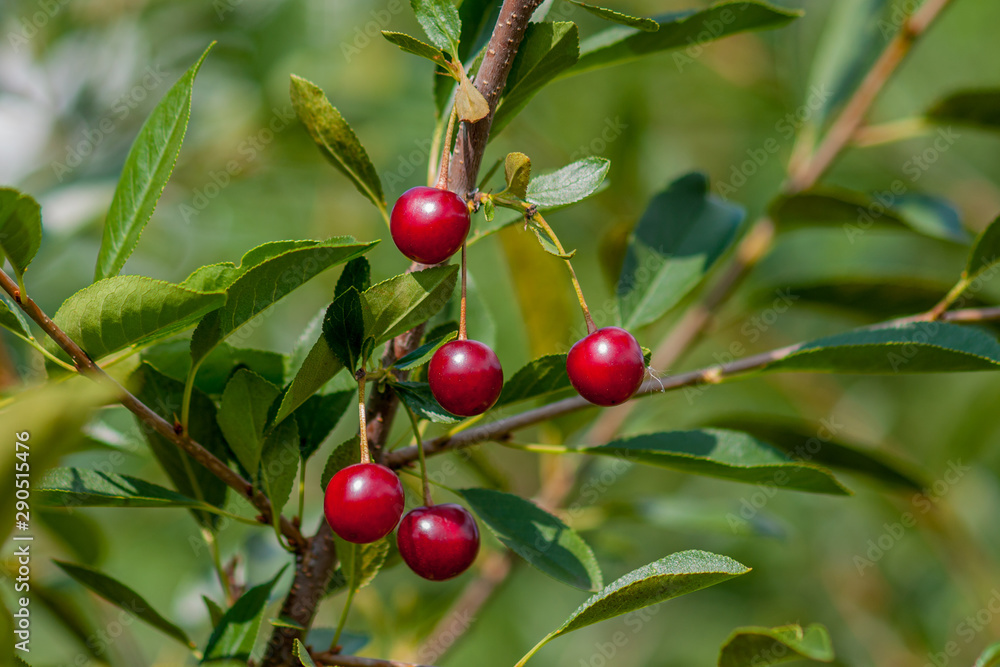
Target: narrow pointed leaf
[(974, 108), (985, 251), (266, 282), (642, 23), (215, 612), (415, 46), (122, 596), (920, 347), (243, 415), (20, 228), (682, 233), (131, 311), (302, 653), (548, 50), (729, 455), (336, 140), (548, 243), (279, 463), (990, 657), (678, 30), (81, 487), (401, 303), (540, 377), (753, 646), (423, 354), (318, 368), (147, 170), (540, 538), (570, 184), (418, 398), (344, 328), (233, 638), (12, 320), (357, 273), (439, 19)]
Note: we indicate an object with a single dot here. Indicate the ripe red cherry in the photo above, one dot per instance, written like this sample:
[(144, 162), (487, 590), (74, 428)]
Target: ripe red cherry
[(465, 377), (438, 542), (363, 502), (429, 225), (607, 366)]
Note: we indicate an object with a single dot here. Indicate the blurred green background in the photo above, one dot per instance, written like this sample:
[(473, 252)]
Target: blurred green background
[(111, 60)]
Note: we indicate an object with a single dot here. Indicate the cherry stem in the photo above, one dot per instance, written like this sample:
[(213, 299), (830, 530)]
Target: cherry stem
[(428, 502), (461, 314), (362, 420), (537, 217), (442, 179)]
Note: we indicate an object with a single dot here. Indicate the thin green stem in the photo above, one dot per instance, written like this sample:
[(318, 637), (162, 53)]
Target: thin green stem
[(188, 392), (540, 449), (533, 651), (347, 605), (442, 179), (213, 546), (302, 491), (462, 335), (885, 133), (45, 353), (423, 459), (449, 489), (366, 456), (938, 310), (537, 217)]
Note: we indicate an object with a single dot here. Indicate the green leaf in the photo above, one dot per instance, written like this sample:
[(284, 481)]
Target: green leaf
[(547, 242), (568, 185), (336, 140), (753, 646), (401, 303), (415, 46), (850, 43), (680, 236), (517, 170), (357, 273), (12, 320), (548, 49), (985, 251), (279, 463), (266, 281), (731, 455), (80, 534), (319, 367), (145, 174), (215, 612), (642, 23), (856, 213), (243, 416), (439, 19), (359, 564), (475, 17), (163, 395), (537, 536), (423, 354), (131, 311), (233, 638), (919, 347), (81, 487), (990, 657), (417, 397), (819, 443), (303, 654), (20, 228), (540, 377), (122, 596), (344, 329), (347, 453), (665, 579), (975, 108), (173, 359), (679, 30), (317, 417)]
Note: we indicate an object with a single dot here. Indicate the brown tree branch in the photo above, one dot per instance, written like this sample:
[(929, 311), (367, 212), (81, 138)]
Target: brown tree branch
[(86, 366), (503, 428)]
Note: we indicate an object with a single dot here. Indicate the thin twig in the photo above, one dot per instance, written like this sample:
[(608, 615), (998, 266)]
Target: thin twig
[(86, 366), (338, 660)]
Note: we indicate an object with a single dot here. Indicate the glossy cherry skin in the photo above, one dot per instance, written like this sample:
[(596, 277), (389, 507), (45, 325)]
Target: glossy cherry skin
[(429, 225), (363, 502), (607, 366), (438, 542), (465, 377)]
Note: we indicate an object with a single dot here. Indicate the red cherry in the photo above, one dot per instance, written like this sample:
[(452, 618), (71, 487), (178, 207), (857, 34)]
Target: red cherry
[(429, 225), (607, 366), (438, 542), (363, 502), (465, 377)]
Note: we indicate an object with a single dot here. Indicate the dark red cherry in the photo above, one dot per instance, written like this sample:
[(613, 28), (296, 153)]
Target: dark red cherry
[(607, 366), (465, 377), (429, 225), (438, 542), (363, 502)]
